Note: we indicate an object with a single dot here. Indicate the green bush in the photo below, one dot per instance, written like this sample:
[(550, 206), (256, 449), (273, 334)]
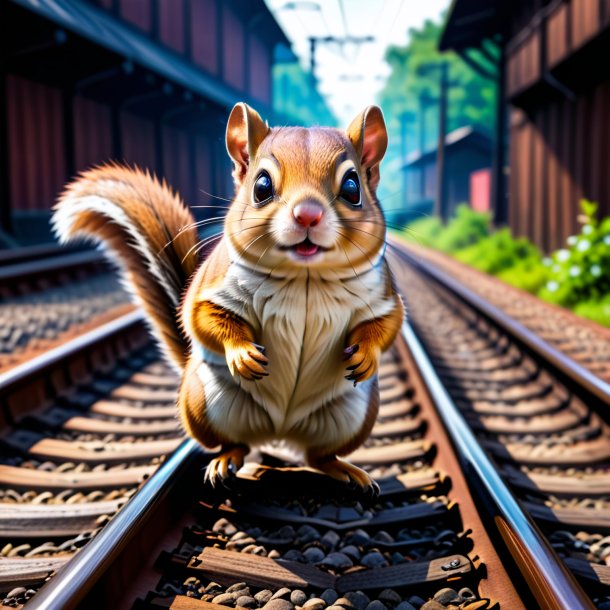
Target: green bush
[(529, 275), (424, 231), (577, 276), (467, 228), (500, 251), (597, 310), (580, 273)]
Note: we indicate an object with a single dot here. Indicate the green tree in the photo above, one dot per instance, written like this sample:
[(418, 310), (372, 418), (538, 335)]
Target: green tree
[(471, 100)]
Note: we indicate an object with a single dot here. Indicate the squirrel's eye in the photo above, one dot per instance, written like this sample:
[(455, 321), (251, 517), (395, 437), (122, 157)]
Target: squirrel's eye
[(263, 188), (350, 189)]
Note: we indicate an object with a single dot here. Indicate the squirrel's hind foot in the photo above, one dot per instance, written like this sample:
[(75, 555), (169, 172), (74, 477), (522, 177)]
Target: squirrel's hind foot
[(344, 471), (226, 465)]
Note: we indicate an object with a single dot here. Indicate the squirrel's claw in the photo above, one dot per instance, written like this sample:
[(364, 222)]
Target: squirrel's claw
[(247, 360), (355, 477), (225, 465), (363, 362)]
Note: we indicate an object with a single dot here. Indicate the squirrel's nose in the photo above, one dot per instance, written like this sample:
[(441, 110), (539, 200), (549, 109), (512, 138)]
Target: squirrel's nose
[(308, 214)]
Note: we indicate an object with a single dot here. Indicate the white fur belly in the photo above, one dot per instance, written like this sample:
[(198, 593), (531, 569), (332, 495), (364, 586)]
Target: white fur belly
[(303, 331)]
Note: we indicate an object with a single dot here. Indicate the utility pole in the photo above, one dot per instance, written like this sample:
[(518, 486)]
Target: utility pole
[(440, 203), (425, 101), (498, 178), (314, 41), (405, 118)]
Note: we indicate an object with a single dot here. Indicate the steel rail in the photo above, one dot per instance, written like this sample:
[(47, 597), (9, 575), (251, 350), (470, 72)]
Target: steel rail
[(39, 365), (70, 585), (40, 266), (566, 366), (553, 586)]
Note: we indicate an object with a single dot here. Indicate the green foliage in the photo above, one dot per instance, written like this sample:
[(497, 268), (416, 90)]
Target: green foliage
[(580, 272), (498, 252), (596, 310), (471, 100), (425, 231), (467, 228), (529, 275), (577, 276)]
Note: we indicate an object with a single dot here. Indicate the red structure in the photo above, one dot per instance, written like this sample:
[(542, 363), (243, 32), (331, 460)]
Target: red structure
[(554, 80), (148, 82)]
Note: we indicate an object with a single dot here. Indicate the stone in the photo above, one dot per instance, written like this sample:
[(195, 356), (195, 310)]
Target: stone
[(433, 605), (374, 559), (298, 597), (352, 552), (343, 602), (330, 540), (225, 527), (405, 606), (238, 586), (307, 533), (376, 605), (294, 555), (330, 596), (447, 596), (416, 601), (246, 601), (262, 597), (337, 561), (286, 531), (283, 593), (383, 536), (389, 597), (358, 537), (313, 554), (359, 599), (315, 603), (278, 604), (213, 586), (224, 599)]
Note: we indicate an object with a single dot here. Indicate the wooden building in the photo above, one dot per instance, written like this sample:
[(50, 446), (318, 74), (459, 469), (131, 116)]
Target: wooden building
[(466, 150), (555, 82), (148, 82)]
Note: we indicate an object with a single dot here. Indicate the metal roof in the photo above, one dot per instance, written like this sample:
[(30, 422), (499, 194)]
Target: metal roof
[(469, 22), (105, 30), (462, 135)]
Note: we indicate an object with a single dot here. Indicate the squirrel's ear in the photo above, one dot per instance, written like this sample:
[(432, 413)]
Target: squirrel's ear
[(245, 132), (368, 134)]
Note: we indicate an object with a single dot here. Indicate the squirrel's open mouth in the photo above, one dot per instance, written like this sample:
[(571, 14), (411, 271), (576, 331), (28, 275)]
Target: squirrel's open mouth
[(304, 248)]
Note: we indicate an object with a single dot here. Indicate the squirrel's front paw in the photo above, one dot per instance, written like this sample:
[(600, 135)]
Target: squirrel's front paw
[(247, 360), (362, 361)]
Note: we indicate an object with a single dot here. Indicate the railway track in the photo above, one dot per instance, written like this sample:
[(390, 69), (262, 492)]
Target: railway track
[(585, 343), (88, 494), (541, 416), (82, 426), (50, 295), (275, 538)]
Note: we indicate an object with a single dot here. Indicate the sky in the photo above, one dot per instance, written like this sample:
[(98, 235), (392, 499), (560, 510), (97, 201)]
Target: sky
[(351, 75)]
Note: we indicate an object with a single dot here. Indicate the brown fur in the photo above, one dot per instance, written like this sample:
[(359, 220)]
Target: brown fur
[(253, 236), (160, 217)]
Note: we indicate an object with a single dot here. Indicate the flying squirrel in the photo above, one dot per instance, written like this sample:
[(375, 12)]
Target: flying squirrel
[(279, 331)]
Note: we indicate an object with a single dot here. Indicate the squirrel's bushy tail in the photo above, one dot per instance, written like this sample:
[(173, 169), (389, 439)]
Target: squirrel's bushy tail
[(149, 231)]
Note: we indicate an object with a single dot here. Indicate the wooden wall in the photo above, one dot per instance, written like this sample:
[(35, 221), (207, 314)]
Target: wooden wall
[(559, 137), (559, 155), (214, 35)]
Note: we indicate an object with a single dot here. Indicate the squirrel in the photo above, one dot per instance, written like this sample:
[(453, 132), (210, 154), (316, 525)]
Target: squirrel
[(278, 332)]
